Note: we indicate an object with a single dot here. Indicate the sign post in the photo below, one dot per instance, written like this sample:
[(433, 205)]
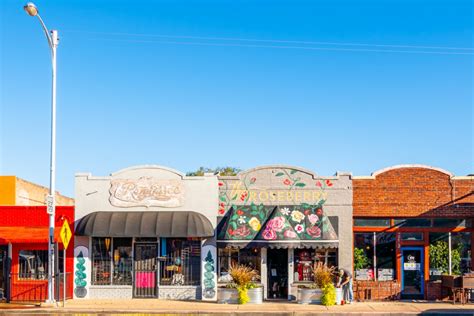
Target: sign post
[(66, 236)]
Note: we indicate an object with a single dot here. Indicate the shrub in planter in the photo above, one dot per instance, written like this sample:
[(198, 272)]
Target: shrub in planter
[(328, 298), (243, 280)]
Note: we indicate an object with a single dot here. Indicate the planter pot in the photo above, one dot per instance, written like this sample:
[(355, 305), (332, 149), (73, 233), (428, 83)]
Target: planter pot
[(255, 295), (309, 296), (339, 295), (231, 296), (227, 296)]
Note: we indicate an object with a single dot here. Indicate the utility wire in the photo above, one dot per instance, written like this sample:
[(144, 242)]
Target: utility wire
[(269, 40), (286, 47)]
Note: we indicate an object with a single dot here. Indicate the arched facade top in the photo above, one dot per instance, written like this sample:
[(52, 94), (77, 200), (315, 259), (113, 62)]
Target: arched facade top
[(286, 167), (378, 172), (141, 167)]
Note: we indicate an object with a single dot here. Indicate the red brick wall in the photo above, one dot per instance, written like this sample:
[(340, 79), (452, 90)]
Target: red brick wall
[(413, 191)]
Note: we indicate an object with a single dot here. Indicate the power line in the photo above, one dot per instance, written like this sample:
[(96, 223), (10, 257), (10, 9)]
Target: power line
[(270, 40), (287, 47)]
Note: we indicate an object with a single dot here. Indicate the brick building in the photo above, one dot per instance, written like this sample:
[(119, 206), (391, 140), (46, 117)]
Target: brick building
[(412, 223)]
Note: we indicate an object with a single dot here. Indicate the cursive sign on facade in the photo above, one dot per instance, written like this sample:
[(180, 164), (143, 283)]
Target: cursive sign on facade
[(146, 191)]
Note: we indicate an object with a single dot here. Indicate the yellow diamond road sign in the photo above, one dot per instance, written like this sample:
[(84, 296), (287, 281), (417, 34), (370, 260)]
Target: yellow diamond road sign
[(65, 234)]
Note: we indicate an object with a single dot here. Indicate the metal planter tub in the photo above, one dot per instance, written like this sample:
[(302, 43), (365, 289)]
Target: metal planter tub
[(231, 296), (309, 296), (227, 296), (255, 295)]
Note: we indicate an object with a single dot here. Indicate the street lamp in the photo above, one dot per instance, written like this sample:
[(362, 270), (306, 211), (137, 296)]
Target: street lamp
[(52, 37)]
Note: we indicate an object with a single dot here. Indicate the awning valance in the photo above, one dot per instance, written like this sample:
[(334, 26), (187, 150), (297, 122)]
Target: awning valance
[(27, 234), (145, 224), (278, 244)]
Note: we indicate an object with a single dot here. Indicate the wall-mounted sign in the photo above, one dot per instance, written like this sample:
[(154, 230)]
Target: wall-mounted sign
[(146, 191)]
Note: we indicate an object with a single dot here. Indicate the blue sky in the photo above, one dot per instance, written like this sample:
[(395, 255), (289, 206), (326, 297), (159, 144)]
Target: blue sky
[(178, 83)]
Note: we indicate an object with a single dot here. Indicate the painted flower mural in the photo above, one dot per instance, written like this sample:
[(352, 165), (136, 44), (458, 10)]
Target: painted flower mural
[(289, 234), (297, 216), (255, 224), (299, 228), (248, 221), (313, 219), (269, 234), (285, 211), (314, 231)]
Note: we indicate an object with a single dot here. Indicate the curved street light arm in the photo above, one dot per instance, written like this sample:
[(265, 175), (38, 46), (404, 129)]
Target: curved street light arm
[(46, 33)]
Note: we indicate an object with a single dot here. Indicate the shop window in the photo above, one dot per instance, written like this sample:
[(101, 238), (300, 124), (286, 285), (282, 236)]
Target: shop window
[(182, 261), (122, 261), (451, 222), (439, 253), (385, 256), (101, 261), (372, 222), (306, 258), (230, 256), (364, 256), (413, 222), (33, 264), (414, 236)]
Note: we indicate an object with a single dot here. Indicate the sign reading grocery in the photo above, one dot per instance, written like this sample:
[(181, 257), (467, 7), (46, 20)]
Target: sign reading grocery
[(146, 191)]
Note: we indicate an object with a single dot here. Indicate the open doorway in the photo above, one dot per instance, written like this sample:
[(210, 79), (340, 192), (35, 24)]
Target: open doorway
[(277, 262)]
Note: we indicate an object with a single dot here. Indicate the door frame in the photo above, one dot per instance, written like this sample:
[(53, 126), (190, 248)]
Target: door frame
[(422, 267), (157, 269)]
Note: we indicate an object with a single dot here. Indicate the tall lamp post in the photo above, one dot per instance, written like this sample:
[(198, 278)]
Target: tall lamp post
[(52, 37)]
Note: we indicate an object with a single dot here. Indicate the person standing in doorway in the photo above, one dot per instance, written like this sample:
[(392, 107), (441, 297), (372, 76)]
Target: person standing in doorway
[(345, 281)]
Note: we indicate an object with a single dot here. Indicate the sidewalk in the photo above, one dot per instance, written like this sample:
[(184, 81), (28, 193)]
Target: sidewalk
[(167, 307)]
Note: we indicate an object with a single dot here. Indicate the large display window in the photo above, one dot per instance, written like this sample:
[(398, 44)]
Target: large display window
[(181, 262), (229, 256), (446, 246), (305, 260)]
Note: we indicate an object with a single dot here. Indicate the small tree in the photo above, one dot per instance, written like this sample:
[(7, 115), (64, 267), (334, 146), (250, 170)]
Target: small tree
[(222, 171), (361, 261), (80, 281), (209, 283)]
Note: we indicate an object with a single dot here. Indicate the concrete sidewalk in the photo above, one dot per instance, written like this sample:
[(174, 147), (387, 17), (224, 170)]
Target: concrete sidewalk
[(167, 307)]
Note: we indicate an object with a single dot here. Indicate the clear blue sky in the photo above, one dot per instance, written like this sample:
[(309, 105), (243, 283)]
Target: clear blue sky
[(200, 97)]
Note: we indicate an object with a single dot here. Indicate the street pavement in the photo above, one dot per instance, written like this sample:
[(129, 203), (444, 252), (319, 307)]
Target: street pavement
[(168, 307)]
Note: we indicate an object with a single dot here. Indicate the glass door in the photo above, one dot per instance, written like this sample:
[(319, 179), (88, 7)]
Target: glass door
[(145, 270), (412, 272)]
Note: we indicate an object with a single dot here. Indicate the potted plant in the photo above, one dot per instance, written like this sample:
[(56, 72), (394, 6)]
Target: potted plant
[(322, 291), (242, 289)]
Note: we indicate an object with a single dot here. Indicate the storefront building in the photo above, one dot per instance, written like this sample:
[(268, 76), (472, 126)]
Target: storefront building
[(412, 223), (24, 232), (281, 220), (146, 232)]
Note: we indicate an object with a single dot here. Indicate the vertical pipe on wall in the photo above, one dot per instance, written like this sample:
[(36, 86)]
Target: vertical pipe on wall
[(263, 271), (449, 254), (291, 272), (375, 255)]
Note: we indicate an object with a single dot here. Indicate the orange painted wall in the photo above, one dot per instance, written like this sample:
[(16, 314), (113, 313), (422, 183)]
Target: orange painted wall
[(7, 190)]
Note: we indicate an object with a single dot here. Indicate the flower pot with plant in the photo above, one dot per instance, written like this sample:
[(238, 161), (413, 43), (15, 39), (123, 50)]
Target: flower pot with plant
[(243, 289), (322, 291)]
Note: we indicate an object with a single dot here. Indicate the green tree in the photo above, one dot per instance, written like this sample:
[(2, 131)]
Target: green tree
[(361, 261), (439, 257), (222, 171)]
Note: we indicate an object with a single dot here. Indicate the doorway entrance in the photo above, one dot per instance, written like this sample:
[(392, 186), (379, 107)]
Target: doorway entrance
[(3, 271), (145, 267), (412, 272), (277, 262)]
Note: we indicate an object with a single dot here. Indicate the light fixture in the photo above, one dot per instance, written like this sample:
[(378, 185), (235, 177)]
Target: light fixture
[(31, 9)]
